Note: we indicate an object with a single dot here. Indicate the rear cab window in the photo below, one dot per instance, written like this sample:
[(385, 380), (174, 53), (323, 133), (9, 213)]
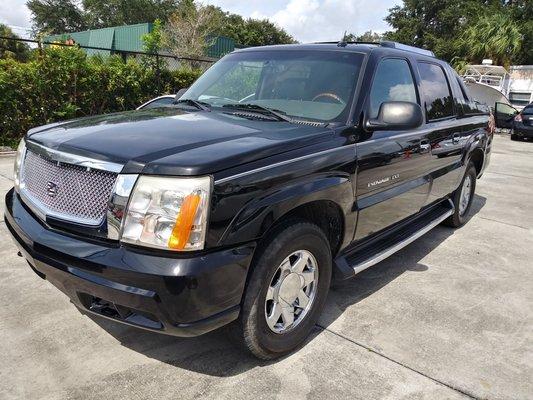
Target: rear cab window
[(464, 105)]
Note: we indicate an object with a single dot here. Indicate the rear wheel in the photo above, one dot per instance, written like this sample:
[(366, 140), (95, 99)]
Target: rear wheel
[(286, 291), (462, 198), (514, 137)]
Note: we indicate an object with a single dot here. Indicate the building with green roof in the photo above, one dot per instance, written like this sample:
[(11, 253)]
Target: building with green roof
[(128, 38)]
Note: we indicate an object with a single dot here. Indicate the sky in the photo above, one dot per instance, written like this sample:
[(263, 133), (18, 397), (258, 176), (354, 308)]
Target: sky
[(305, 20)]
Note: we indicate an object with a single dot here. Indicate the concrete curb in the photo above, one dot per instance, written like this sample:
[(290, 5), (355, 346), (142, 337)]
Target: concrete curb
[(7, 153)]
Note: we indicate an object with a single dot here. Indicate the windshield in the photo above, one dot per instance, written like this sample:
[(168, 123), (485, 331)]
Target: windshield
[(314, 85)]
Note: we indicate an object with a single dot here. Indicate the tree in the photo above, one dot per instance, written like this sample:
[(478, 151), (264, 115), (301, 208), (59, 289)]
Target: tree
[(521, 11), (153, 44), (188, 30), (250, 32), (368, 36), (435, 25), (11, 48), (56, 16), (441, 26), (494, 36), (105, 13), (64, 16), (153, 41)]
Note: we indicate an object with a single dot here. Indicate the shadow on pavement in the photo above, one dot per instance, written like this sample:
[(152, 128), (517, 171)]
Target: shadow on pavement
[(216, 355)]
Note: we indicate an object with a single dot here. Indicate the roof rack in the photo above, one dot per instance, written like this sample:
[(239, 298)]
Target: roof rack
[(343, 43), (401, 46), (386, 43)]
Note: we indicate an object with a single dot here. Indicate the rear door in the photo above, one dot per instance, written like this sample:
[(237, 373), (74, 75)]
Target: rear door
[(391, 179), (444, 128)]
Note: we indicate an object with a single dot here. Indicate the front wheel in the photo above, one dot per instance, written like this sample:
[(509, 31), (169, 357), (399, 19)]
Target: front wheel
[(462, 198), (286, 291)]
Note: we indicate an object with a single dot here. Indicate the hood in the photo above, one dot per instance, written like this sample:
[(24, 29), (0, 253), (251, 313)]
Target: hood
[(172, 141)]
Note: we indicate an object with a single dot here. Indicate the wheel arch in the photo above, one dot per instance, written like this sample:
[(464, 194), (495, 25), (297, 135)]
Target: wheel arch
[(477, 157), (324, 201)]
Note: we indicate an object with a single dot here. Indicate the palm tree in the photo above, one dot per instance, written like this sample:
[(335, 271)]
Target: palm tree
[(11, 48), (494, 36)]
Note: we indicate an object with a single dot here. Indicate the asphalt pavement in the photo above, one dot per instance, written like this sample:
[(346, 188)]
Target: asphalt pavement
[(448, 317)]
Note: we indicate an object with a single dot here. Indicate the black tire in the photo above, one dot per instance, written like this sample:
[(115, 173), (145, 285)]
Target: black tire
[(514, 137), (458, 219), (253, 329)]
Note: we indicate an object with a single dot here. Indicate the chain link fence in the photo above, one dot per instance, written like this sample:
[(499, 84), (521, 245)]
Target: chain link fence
[(157, 61)]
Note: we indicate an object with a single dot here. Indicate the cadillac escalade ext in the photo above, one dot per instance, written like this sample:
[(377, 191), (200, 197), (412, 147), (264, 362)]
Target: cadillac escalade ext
[(279, 170)]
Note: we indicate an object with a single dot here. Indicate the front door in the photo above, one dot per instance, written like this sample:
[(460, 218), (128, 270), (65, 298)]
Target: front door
[(504, 115), (391, 179)]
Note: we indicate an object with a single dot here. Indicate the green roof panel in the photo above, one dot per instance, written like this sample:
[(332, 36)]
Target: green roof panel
[(101, 38), (129, 37), (220, 46)]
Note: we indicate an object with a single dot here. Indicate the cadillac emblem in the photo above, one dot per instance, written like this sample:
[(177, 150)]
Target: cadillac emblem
[(52, 189)]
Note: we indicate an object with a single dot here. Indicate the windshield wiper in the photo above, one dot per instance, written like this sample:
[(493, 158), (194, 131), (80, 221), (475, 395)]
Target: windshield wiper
[(260, 109), (195, 103)]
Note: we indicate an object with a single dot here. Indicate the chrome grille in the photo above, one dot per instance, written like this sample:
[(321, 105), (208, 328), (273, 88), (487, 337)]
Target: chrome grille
[(66, 191)]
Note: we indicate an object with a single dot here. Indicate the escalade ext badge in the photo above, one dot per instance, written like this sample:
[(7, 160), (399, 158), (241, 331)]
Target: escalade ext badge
[(288, 207)]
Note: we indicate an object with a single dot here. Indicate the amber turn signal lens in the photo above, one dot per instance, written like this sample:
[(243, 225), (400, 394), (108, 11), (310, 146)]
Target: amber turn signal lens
[(182, 230)]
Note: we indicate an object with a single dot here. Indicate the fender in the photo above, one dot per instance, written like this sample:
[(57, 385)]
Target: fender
[(254, 220), (478, 142)]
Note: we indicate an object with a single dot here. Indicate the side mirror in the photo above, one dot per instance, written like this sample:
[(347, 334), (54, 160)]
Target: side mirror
[(504, 115), (180, 93), (396, 116)]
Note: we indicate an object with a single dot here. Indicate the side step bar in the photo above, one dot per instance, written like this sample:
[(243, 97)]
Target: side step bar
[(363, 256)]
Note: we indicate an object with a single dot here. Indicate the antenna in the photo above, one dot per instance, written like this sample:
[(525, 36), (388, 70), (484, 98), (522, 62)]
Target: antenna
[(342, 42)]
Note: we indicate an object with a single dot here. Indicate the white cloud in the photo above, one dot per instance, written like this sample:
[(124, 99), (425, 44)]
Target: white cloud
[(15, 13), (316, 20), (258, 15)]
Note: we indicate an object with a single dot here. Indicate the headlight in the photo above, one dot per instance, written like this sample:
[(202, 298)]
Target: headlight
[(21, 150), (168, 213)]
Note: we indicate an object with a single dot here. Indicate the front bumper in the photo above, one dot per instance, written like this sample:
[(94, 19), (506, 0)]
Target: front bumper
[(176, 294)]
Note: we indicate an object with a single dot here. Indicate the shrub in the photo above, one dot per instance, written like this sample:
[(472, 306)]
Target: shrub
[(65, 83)]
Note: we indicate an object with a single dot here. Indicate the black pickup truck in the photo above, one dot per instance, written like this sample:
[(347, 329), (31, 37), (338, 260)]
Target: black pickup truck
[(281, 169)]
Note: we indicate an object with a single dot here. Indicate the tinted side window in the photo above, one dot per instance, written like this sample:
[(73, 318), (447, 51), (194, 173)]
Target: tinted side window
[(458, 90), (436, 92), (463, 89), (393, 81)]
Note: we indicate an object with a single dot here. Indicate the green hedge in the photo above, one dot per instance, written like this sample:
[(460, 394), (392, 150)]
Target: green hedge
[(65, 83)]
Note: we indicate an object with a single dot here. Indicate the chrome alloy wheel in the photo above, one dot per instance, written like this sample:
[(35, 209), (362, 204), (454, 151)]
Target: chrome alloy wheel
[(466, 192), (291, 292)]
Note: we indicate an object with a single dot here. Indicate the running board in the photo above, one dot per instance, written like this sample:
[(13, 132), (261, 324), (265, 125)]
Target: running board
[(363, 256)]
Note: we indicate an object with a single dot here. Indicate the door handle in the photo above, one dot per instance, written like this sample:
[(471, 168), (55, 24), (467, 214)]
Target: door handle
[(425, 146)]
